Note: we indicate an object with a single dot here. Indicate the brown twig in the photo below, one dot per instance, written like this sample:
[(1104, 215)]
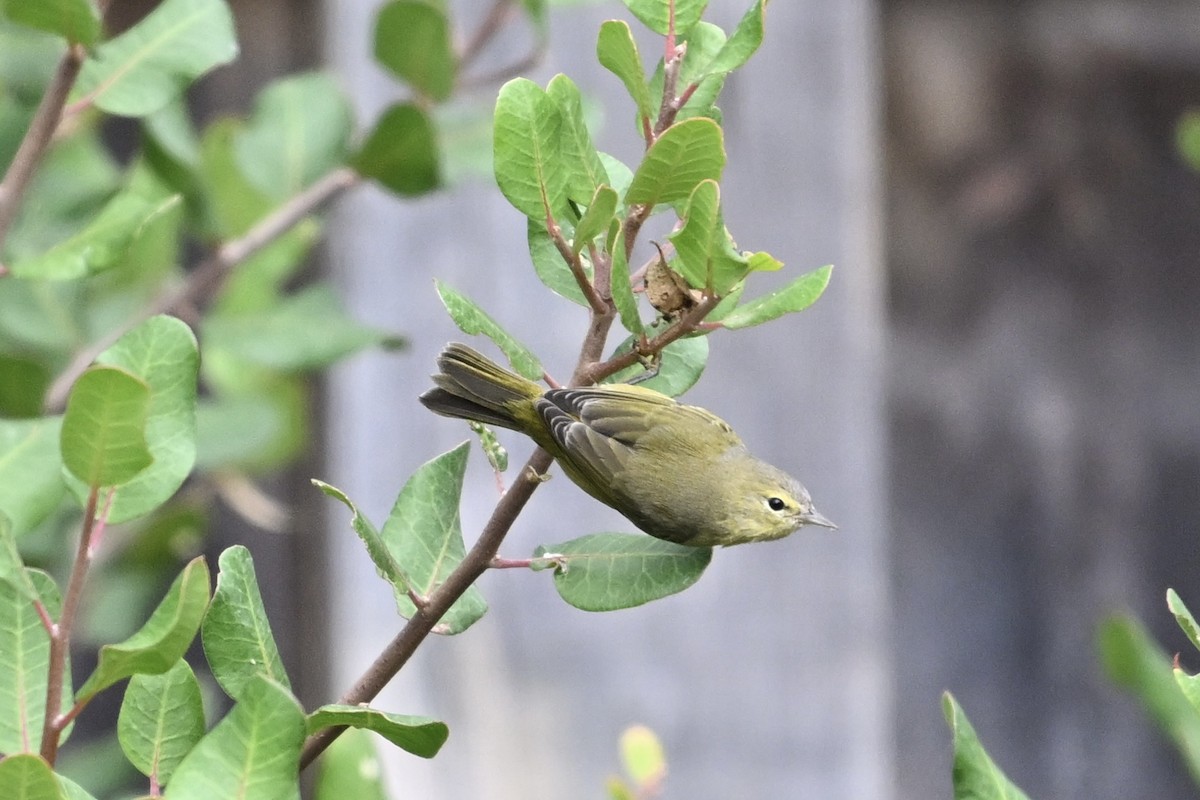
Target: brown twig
[(569, 255), (474, 564), (513, 563), (688, 323), (37, 138), (635, 217), (209, 275), (493, 22), (510, 70), (667, 110), (60, 632)]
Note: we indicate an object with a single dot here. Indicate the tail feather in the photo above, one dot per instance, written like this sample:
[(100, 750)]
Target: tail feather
[(471, 386)]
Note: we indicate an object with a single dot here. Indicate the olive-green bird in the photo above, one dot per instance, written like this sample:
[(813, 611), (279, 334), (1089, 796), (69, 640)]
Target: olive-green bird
[(677, 472)]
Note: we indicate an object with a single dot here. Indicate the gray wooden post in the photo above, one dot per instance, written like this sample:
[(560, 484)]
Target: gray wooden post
[(769, 678)]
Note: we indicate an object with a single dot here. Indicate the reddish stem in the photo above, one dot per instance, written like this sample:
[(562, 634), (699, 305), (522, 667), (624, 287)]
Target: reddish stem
[(60, 634)]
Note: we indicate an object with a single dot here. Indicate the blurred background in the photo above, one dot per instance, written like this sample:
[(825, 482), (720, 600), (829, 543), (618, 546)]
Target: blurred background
[(996, 400), (1042, 376)]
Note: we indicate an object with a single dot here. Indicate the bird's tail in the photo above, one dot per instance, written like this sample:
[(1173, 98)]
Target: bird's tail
[(471, 386)]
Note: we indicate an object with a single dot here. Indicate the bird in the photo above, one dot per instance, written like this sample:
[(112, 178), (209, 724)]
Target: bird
[(676, 471)]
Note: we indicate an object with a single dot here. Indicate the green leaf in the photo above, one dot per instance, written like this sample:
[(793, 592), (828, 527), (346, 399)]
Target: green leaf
[(424, 534), (549, 265), (796, 296), (1184, 617), (471, 319), (152, 256), (27, 62), (578, 153), (413, 40), (254, 752), (1134, 662), (298, 132), (12, 568), (172, 130), (609, 571), (618, 53), (74, 182), (100, 763), (464, 134), (622, 290), (104, 429), (350, 768), (619, 174), (164, 638), (385, 564), (681, 363), (1189, 685), (25, 661), (282, 402), (150, 64), (976, 776), (655, 14), (23, 384), (401, 152), (253, 432), (706, 255), (687, 153), (742, 43), (237, 637), (162, 718), (305, 331), (420, 736), (31, 483), (526, 142), (101, 244), (1187, 138), (538, 12), (643, 757), (162, 352), (600, 213), (74, 20), (72, 790), (26, 776), (617, 789), (232, 204), (763, 262)]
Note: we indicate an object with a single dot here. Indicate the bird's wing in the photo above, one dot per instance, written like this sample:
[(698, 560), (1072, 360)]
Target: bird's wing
[(595, 458), (602, 427)]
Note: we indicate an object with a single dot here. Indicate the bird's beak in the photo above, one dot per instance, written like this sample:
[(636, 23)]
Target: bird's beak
[(815, 518)]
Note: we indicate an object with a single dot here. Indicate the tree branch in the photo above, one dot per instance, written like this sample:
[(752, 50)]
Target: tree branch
[(595, 301), (41, 131), (209, 275), (60, 632), (495, 19), (688, 323), (474, 564)]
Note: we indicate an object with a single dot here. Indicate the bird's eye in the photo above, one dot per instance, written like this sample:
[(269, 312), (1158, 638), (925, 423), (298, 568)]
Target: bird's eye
[(776, 504)]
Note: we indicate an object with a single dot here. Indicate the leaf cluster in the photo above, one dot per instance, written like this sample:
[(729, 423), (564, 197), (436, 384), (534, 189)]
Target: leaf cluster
[(110, 418)]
